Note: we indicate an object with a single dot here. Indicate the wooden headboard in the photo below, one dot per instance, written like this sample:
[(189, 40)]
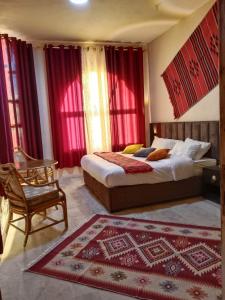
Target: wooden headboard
[(206, 131)]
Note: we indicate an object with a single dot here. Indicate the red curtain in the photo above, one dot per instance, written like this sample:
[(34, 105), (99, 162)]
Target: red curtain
[(6, 153), (22, 95), (126, 95), (66, 104)]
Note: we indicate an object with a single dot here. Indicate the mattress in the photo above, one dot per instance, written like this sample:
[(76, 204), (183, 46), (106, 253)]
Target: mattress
[(171, 169)]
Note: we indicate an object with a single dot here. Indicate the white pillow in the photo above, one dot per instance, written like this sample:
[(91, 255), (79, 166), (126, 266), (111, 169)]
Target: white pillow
[(161, 143), (185, 149), (204, 147), (177, 148)]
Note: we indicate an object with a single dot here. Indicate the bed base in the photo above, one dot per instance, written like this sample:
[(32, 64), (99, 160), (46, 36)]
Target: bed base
[(124, 197)]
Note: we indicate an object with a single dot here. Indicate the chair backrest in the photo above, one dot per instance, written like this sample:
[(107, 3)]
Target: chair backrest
[(9, 179)]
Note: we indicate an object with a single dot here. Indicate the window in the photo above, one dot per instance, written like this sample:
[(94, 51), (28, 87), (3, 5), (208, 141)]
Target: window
[(13, 95)]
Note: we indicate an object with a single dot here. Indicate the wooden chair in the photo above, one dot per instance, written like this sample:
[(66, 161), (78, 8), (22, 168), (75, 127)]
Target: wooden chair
[(40, 175), (27, 199)]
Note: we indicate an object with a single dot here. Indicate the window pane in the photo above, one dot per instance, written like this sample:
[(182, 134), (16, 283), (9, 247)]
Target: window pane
[(8, 86), (11, 114), (21, 141), (13, 61), (14, 138), (15, 87), (4, 52), (18, 113)]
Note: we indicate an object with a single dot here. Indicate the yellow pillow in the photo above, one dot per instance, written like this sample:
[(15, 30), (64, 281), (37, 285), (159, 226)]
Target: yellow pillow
[(158, 154), (131, 149)]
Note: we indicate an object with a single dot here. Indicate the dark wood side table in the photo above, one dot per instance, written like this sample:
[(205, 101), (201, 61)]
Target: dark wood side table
[(211, 183)]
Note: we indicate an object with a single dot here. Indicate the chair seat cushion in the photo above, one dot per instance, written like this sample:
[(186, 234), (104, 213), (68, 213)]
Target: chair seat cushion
[(37, 195)]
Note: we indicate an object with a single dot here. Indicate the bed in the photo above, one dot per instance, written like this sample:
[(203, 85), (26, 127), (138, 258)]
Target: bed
[(125, 196)]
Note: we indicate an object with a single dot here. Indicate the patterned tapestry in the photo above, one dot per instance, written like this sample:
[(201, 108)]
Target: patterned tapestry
[(194, 71)]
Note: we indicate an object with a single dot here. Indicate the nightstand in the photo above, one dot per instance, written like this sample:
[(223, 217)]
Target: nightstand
[(211, 183)]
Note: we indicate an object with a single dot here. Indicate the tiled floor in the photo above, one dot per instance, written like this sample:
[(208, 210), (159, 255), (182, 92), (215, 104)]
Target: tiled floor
[(18, 285)]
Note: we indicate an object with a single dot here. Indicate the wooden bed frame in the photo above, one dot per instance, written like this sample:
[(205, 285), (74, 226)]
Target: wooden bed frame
[(124, 197)]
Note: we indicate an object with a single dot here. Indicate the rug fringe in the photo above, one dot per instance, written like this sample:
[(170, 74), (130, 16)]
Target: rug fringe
[(54, 244)]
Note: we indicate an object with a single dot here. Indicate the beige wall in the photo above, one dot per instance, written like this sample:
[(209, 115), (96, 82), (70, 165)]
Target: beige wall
[(161, 52)]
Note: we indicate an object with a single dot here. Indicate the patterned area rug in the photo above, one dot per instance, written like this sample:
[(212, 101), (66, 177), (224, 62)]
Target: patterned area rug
[(143, 259)]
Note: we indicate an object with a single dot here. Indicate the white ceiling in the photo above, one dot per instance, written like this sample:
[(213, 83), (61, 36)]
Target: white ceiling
[(100, 20)]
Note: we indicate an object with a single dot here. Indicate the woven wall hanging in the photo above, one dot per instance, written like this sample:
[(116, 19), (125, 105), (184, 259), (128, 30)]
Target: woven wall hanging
[(194, 71)]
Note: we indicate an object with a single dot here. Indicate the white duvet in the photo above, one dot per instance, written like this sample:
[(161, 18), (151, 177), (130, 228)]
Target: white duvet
[(170, 169)]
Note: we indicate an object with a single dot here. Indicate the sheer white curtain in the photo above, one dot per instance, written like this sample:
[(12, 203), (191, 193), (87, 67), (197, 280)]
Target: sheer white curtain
[(41, 80), (95, 98)]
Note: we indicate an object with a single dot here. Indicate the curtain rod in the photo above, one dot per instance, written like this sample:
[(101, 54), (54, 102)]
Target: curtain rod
[(94, 47), (41, 44)]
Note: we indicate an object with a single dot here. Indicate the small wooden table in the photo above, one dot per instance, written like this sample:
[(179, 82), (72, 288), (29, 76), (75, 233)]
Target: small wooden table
[(36, 165)]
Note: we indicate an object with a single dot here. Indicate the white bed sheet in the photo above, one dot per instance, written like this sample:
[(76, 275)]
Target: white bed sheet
[(170, 169), (201, 163)]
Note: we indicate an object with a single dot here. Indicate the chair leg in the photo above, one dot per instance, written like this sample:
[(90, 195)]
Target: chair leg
[(27, 229), (65, 214)]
